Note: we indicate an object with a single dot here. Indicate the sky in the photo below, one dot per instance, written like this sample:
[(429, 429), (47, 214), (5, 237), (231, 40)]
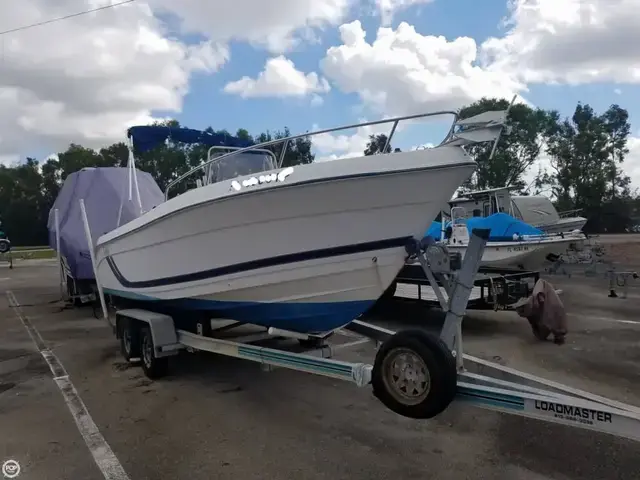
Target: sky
[(305, 64)]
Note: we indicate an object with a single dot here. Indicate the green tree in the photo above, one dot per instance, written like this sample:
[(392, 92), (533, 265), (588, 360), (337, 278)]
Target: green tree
[(618, 128), (586, 151), (77, 157), (22, 203), (376, 144), (298, 151), (518, 148), (28, 191)]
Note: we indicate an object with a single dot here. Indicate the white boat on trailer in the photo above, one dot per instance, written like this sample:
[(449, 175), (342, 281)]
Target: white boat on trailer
[(525, 252), (415, 374), (535, 210), (299, 248)]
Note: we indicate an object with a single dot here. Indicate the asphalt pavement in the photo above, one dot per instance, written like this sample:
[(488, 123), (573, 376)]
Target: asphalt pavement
[(80, 410)]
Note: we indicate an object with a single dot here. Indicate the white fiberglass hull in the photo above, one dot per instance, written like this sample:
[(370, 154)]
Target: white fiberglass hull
[(525, 255), (564, 225), (308, 254)]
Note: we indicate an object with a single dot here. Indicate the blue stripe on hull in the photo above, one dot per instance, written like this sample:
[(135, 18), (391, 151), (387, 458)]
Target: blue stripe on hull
[(259, 263), (311, 317)]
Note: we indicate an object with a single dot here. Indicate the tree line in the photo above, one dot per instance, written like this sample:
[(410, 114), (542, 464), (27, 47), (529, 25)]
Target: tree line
[(587, 152), (28, 190)]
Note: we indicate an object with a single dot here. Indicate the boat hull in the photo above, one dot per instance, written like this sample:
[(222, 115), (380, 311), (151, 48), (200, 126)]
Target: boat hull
[(529, 256), (564, 225), (309, 258)]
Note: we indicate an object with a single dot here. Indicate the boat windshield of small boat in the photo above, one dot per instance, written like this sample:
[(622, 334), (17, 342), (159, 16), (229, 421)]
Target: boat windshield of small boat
[(228, 156), (227, 163), (241, 164)]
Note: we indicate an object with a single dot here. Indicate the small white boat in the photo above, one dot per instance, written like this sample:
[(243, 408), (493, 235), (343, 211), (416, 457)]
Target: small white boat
[(535, 210), (524, 252)]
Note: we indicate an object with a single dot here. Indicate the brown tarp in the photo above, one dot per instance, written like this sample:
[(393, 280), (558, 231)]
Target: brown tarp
[(545, 312)]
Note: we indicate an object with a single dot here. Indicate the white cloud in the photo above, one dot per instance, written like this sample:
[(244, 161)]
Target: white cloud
[(339, 145), (631, 165), (422, 146), (404, 72), (573, 41), (387, 8), (9, 160), (280, 78), (316, 100), (86, 79), (279, 25)]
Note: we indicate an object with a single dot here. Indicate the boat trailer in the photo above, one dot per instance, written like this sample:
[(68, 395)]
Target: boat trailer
[(415, 374), (498, 288), (621, 280)]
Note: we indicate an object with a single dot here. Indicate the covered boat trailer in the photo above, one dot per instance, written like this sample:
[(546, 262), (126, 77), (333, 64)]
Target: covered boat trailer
[(415, 374), (71, 291)]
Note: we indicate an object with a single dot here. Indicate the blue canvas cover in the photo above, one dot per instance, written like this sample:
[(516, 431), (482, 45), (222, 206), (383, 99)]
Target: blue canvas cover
[(502, 227), (147, 137), (102, 189), (434, 231)]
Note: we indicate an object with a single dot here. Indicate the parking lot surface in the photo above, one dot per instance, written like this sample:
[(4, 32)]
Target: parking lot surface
[(217, 417)]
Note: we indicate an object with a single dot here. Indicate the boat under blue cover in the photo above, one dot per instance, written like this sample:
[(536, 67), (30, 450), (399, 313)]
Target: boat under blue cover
[(502, 227)]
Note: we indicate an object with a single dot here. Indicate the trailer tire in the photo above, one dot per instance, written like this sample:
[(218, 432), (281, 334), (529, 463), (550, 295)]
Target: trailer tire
[(5, 245), (420, 390), (154, 367), (129, 338)]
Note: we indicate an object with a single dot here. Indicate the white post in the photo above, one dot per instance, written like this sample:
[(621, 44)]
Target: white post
[(122, 194), (132, 172), (129, 168), (63, 279), (87, 232)]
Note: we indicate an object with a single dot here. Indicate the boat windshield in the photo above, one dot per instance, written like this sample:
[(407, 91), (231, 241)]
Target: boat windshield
[(238, 166)]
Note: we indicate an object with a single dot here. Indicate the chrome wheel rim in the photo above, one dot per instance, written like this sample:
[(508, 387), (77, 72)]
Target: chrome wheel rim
[(126, 341), (406, 376), (147, 353)]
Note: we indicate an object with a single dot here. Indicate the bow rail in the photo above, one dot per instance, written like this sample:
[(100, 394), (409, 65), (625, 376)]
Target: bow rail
[(485, 127), (285, 141)]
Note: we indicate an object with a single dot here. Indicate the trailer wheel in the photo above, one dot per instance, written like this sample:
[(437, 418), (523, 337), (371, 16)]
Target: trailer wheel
[(153, 367), (5, 245), (129, 339), (414, 374)]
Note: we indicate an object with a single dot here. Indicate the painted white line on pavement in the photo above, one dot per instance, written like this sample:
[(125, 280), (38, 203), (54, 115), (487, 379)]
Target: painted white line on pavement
[(102, 454), (606, 319)]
